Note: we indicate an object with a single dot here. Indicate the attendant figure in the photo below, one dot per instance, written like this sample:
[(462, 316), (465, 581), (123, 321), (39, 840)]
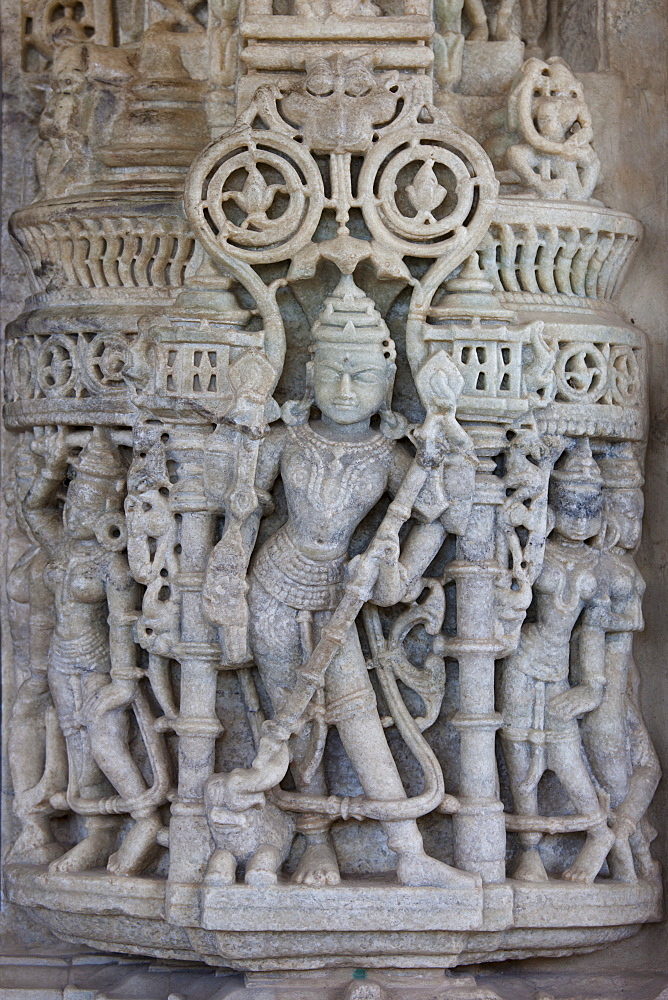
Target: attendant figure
[(93, 670), (616, 740), (540, 708), (35, 745)]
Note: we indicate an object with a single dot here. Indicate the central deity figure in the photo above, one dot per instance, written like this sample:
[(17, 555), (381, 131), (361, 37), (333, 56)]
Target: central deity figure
[(334, 471)]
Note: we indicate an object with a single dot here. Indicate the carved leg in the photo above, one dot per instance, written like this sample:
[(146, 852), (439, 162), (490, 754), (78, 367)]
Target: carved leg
[(138, 847), (222, 868), (109, 736), (29, 747), (476, 14), (94, 850), (520, 757), (567, 763), (263, 866), (503, 30), (620, 861), (277, 646), (364, 741), (318, 864), (640, 845)]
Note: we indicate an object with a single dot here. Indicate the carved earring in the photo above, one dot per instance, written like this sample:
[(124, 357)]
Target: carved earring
[(295, 412), (610, 532), (550, 521), (392, 425)]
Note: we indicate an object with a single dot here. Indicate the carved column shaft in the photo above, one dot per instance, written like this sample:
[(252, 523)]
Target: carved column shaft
[(479, 828)]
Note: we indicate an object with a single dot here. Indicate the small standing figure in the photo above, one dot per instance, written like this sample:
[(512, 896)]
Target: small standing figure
[(448, 14), (548, 117), (616, 740), (63, 158), (334, 472), (540, 708), (35, 745), (93, 671)]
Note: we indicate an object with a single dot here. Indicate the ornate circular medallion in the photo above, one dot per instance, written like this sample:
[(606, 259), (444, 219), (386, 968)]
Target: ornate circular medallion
[(256, 196), (426, 195)]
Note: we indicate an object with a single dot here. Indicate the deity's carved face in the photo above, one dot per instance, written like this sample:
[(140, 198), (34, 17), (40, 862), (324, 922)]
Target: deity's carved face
[(626, 507), (351, 381), (578, 513), (87, 501)]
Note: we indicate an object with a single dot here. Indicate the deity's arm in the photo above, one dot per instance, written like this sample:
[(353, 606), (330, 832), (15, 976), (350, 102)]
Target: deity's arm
[(587, 694), (268, 466), (42, 613), (41, 509), (443, 505)]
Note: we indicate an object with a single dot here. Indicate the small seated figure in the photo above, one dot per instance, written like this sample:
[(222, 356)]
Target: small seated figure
[(259, 838), (551, 151)]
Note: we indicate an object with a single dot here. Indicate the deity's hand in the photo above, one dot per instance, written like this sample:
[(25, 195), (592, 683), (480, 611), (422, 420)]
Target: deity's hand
[(387, 548), (393, 578), (54, 449), (231, 791), (577, 701), (116, 695)]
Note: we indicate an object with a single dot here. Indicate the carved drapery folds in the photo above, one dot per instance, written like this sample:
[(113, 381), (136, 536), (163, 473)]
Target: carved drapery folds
[(327, 445)]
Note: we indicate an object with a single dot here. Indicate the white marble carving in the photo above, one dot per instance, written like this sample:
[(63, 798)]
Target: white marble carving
[(327, 448)]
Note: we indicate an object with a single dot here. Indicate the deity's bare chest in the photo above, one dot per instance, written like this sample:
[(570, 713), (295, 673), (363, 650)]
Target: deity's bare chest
[(333, 482)]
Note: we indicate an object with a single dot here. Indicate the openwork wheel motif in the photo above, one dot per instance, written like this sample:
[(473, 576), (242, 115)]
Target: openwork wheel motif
[(581, 372), (105, 360), (256, 196), (57, 366), (426, 193), (625, 375), (21, 370)]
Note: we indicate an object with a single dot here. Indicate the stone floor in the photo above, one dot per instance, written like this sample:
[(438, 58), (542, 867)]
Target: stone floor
[(90, 976)]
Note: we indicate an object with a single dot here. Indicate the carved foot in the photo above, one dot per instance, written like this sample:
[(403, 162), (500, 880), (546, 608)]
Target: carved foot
[(263, 866), (34, 846), (420, 869), (530, 867), (92, 852), (588, 863), (137, 848), (222, 868), (318, 866)]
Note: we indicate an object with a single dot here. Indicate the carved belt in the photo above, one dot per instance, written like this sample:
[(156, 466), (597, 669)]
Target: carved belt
[(297, 580), (87, 653)]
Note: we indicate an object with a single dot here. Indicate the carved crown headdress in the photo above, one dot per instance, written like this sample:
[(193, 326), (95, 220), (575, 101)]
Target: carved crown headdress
[(621, 469), (349, 316), (101, 460), (579, 470)]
